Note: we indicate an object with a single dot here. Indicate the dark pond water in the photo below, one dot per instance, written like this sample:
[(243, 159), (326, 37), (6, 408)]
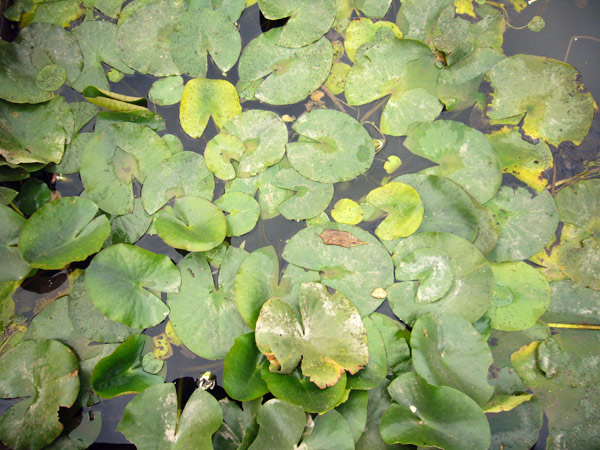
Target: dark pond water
[(565, 20)]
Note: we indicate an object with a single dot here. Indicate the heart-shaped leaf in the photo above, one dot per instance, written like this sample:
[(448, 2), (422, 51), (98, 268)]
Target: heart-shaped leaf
[(242, 370), (329, 428), (364, 30), (166, 91), (242, 212), (309, 199), (281, 425)]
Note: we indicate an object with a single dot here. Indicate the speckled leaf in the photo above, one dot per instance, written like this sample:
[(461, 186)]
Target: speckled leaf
[(580, 205), (200, 32), (416, 21), (182, 175), (60, 13), (279, 75), (332, 147), (521, 296), (242, 370), (571, 303), (121, 280), (61, 232), (166, 91), (397, 67), (203, 98), (522, 159), (121, 372), (281, 337), (308, 19), (517, 429), (150, 52), (281, 425), (448, 351), (113, 157), (563, 372), (525, 223), (440, 273), (204, 316), (44, 373), (363, 30), (152, 419), (544, 93), (578, 256), (336, 81), (427, 415), (309, 198), (329, 429), (404, 207), (35, 133), (231, 8), (14, 267), (462, 153), (355, 271), (347, 211), (376, 369), (192, 224), (71, 159)]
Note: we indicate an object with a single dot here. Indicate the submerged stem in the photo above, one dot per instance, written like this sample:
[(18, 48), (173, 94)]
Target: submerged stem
[(575, 326)]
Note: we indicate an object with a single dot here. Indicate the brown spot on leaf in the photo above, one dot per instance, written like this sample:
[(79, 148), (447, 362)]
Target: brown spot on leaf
[(340, 238)]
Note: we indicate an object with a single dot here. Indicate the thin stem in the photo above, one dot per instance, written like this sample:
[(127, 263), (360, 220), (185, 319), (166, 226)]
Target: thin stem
[(336, 101), (574, 326), (17, 210), (373, 109), (573, 39)]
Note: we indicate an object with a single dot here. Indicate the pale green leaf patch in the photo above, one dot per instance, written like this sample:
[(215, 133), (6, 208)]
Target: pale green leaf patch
[(242, 212), (309, 198), (166, 91), (347, 211), (364, 30), (280, 425), (14, 267)]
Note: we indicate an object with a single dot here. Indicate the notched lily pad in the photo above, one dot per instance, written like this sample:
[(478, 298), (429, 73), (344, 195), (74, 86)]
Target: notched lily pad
[(309, 198)]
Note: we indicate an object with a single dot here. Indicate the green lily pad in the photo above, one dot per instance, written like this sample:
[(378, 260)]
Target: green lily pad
[(336, 81), (580, 205), (200, 32), (280, 75), (192, 224), (204, 316), (129, 228), (141, 117), (114, 101), (98, 43), (7, 195), (35, 133), (447, 208), (257, 280), (166, 91), (545, 94), (363, 30), (448, 351), (340, 144), (347, 211), (242, 212), (32, 196), (404, 207), (376, 369), (84, 434), (402, 68), (417, 22), (428, 415), (281, 337), (113, 157), (231, 8), (524, 160), (519, 428), (356, 271), (525, 223), (308, 19), (299, 390), (242, 370), (62, 232), (119, 280), (573, 304), (14, 267), (203, 98), (281, 425), (121, 372), (153, 419), (462, 153), (563, 372), (440, 273), (578, 256), (239, 425), (521, 296), (395, 337), (309, 199), (44, 373), (329, 428), (354, 410), (150, 52), (60, 13), (182, 175)]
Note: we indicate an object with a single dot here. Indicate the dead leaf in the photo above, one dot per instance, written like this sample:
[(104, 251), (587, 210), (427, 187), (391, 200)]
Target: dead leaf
[(379, 293), (341, 238)]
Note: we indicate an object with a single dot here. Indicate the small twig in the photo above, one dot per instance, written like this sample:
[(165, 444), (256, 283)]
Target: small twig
[(373, 109), (336, 101), (17, 210), (573, 39), (574, 326)]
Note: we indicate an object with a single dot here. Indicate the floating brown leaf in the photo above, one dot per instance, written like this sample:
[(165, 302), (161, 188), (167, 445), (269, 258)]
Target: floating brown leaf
[(341, 238)]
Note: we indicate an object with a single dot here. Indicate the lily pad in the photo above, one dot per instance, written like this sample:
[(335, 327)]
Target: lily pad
[(7, 195), (152, 419), (242, 212), (578, 256), (239, 425), (14, 267), (462, 153), (308, 19), (204, 316), (113, 158), (336, 81), (580, 205), (231, 8), (363, 30), (376, 369), (545, 94), (332, 147), (417, 22), (242, 370), (329, 428), (427, 415), (121, 372), (200, 32), (440, 273), (347, 211), (309, 199), (166, 91), (395, 337), (63, 231), (120, 281), (519, 428), (402, 68), (33, 195), (184, 174), (281, 337), (448, 351), (356, 271), (44, 373), (281, 425), (129, 228), (404, 207), (192, 224), (521, 296), (279, 75), (35, 133), (203, 98), (150, 52), (525, 223), (46, 11), (573, 304), (354, 410), (524, 160)]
